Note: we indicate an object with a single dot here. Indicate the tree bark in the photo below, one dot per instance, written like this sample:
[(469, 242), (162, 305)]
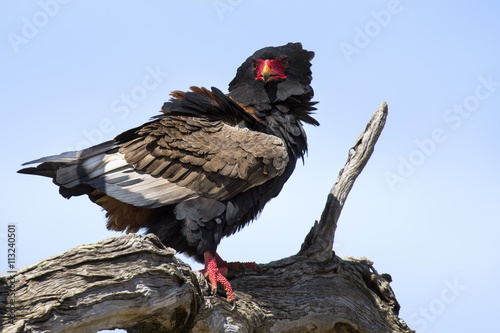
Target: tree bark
[(135, 283)]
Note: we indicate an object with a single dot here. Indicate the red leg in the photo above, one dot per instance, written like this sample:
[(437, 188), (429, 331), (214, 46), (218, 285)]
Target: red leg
[(215, 274), (235, 266)]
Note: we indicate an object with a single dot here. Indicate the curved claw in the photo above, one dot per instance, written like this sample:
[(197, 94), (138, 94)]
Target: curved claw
[(234, 306)]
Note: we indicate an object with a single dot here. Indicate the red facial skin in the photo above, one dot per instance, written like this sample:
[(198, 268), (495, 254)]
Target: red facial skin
[(270, 69)]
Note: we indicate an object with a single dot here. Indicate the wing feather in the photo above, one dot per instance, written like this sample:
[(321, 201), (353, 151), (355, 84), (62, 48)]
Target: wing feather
[(232, 159)]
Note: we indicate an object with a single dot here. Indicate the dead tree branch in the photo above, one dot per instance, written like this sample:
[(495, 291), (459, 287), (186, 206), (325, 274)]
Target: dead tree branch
[(319, 241)]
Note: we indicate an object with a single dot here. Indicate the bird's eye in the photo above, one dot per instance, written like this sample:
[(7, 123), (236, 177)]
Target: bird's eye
[(254, 65), (285, 63)]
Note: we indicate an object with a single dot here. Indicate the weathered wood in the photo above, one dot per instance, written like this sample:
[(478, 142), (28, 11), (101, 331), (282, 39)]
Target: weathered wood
[(135, 283), (118, 282), (319, 241)]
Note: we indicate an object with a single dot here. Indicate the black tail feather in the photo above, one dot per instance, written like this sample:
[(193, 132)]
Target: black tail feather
[(46, 169)]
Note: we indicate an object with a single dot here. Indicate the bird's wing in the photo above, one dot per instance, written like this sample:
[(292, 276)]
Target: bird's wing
[(197, 148)]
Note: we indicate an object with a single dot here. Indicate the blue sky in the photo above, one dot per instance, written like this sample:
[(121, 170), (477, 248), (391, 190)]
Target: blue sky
[(425, 207)]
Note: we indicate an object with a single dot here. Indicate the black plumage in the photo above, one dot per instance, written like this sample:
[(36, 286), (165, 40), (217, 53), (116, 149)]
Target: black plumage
[(208, 164)]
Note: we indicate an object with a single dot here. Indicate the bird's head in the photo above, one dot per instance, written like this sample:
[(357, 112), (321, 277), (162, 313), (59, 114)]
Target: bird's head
[(273, 74)]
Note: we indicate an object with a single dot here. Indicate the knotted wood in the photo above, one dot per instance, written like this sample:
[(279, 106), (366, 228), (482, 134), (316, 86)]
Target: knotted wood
[(135, 283)]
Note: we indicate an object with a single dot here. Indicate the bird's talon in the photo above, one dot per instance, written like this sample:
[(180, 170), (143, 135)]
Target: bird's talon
[(215, 275)]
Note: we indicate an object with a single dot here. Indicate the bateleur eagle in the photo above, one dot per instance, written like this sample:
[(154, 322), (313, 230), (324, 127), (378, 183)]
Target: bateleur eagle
[(207, 165)]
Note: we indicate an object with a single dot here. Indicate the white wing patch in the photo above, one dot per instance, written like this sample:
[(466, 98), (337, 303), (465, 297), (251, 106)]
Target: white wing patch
[(111, 174)]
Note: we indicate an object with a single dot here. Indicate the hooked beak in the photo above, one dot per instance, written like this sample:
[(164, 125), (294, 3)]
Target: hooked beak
[(266, 72)]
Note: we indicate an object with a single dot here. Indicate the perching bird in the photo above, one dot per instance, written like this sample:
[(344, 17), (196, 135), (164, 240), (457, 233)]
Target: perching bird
[(207, 165)]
